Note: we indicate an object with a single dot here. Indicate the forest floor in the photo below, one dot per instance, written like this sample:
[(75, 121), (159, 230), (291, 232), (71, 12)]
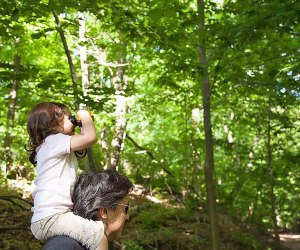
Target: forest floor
[(155, 223), (290, 241)]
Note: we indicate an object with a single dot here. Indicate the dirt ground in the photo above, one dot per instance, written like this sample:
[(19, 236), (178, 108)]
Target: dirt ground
[(290, 241)]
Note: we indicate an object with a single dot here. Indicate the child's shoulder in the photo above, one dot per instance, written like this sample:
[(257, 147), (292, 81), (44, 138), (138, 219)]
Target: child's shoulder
[(58, 136), (58, 139)]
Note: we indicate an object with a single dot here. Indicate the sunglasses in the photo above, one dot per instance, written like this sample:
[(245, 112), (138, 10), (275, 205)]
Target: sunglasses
[(126, 207)]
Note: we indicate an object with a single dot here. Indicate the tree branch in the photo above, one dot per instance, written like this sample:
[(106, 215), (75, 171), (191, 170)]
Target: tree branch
[(101, 58), (148, 153), (7, 66), (226, 97), (11, 199), (6, 228)]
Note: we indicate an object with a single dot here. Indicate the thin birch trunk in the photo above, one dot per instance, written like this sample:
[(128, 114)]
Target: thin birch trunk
[(105, 148), (112, 152), (271, 179), (209, 152), (120, 87), (10, 124), (90, 164), (187, 152), (196, 167)]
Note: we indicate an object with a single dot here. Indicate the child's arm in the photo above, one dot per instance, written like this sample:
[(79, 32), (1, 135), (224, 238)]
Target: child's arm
[(87, 135)]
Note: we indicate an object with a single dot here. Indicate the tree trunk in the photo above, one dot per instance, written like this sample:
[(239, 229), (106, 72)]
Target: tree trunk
[(119, 136), (105, 148), (71, 65), (196, 162), (187, 165), (120, 87), (90, 164), (271, 177), (10, 124), (83, 55), (209, 152)]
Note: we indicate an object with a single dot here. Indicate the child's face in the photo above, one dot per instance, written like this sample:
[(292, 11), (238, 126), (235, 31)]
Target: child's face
[(68, 126)]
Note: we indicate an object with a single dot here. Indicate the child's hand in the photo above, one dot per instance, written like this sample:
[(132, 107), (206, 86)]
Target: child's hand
[(83, 114), (87, 135)]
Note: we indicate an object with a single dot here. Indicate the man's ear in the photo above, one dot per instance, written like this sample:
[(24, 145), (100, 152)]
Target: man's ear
[(102, 213)]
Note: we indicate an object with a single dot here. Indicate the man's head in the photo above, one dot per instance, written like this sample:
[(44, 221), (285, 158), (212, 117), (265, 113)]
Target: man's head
[(103, 196)]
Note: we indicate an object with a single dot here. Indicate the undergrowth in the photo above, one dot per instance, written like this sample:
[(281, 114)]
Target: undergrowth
[(151, 226)]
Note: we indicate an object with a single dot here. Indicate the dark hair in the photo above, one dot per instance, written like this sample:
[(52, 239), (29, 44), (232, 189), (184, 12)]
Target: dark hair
[(44, 119), (94, 190)]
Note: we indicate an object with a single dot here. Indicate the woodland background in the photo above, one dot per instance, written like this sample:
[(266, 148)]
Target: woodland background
[(196, 101)]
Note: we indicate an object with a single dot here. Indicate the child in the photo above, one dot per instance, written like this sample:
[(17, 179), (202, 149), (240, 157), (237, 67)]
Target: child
[(53, 144)]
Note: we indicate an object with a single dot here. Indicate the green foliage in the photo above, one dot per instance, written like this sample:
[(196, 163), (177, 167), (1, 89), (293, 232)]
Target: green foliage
[(3, 179), (14, 216), (133, 245), (246, 241), (163, 227), (253, 52), (151, 220)]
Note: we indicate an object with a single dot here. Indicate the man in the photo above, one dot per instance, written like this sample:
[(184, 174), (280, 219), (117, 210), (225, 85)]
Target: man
[(98, 196)]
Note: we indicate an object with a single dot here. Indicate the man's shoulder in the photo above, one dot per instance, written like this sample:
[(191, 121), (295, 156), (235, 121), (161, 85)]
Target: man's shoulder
[(62, 243)]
